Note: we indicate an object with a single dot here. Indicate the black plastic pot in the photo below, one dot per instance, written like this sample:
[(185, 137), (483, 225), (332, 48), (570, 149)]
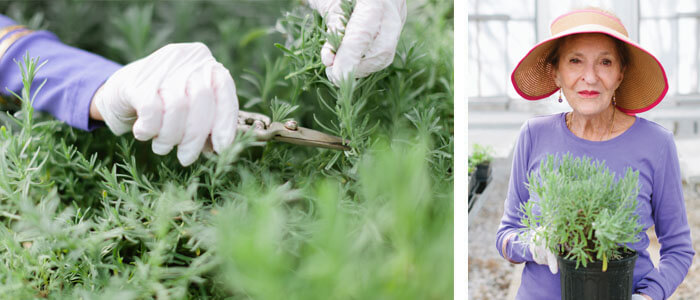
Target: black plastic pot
[(591, 283), (483, 172), (472, 184)]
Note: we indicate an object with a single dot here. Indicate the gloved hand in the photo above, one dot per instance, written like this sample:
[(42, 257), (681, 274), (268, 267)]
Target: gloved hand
[(178, 95), (541, 255), (370, 39), (640, 297)]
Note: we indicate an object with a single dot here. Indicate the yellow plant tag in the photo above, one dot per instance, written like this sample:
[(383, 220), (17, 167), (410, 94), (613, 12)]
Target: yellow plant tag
[(605, 262)]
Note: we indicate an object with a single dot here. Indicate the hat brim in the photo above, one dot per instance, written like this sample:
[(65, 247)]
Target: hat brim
[(644, 85)]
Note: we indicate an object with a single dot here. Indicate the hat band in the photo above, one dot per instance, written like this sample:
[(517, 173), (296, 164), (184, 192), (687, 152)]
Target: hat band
[(582, 17)]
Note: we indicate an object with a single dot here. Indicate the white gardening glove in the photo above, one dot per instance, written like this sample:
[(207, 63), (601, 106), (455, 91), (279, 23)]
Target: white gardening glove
[(640, 297), (541, 255), (370, 38), (178, 95)]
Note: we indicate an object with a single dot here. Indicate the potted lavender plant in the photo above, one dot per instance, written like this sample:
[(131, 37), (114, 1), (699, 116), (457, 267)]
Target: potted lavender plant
[(586, 216), (479, 169)]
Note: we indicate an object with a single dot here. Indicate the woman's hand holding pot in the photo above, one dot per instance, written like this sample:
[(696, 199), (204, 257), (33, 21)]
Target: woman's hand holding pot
[(541, 255)]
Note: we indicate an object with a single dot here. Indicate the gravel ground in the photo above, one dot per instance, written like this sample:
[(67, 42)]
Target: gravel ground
[(490, 275), (690, 288)]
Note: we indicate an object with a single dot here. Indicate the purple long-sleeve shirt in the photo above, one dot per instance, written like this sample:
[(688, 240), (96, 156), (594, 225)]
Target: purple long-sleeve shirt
[(647, 148), (72, 75)]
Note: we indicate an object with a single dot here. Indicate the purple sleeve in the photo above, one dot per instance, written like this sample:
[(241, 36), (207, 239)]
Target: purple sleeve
[(72, 76), (517, 193), (671, 226)]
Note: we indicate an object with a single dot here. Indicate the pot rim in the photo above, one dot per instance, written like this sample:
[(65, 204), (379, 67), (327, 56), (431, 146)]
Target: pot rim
[(484, 163), (625, 258)]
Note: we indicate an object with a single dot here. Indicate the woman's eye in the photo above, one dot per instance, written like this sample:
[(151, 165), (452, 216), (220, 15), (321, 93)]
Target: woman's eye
[(574, 60), (607, 62)]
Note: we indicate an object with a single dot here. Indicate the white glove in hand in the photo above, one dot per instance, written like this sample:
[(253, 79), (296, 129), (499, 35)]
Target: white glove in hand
[(370, 39), (541, 255), (178, 95), (640, 297)]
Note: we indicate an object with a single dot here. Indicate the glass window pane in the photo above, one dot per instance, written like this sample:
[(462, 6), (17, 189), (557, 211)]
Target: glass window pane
[(473, 61), (657, 36), (687, 6), (492, 46), (687, 56), (559, 7), (518, 9), (667, 8)]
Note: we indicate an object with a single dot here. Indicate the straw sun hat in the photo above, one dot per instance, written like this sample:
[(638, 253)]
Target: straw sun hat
[(644, 83)]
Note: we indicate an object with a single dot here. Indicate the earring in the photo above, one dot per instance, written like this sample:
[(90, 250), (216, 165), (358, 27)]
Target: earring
[(614, 102), (560, 101)]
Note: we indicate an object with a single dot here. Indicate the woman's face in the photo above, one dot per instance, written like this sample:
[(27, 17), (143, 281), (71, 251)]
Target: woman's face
[(588, 72)]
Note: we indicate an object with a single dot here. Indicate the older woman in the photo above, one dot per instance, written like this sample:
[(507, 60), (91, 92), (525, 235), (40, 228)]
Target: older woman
[(606, 78)]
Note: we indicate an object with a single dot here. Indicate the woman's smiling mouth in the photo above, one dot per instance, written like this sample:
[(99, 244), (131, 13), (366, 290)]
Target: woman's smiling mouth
[(588, 94)]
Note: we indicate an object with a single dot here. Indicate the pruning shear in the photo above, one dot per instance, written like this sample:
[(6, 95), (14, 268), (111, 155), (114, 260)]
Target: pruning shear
[(290, 132)]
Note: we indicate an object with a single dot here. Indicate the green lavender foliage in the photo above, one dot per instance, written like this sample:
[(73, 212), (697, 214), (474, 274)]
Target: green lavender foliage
[(94, 216), (583, 213), (481, 154)]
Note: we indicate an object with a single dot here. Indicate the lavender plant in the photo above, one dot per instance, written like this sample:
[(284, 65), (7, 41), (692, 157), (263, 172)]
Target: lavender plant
[(582, 212)]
